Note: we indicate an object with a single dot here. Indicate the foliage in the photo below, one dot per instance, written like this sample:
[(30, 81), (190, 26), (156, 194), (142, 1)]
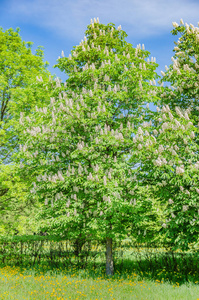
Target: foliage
[(86, 130), (172, 165), (183, 74), (180, 135), (19, 90), (106, 76)]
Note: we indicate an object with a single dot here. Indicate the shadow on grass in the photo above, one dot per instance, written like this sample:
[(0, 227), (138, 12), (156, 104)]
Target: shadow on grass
[(165, 267)]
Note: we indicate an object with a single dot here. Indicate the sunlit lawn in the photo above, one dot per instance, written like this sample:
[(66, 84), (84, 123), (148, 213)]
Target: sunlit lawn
[(133, 279), (77, 284)]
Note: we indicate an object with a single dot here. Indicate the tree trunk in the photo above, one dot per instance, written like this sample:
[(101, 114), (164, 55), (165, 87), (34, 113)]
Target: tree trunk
[(109, 257)]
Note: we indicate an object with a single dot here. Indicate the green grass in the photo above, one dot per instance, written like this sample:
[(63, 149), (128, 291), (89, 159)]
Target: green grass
[(16, 284), (137, 276)]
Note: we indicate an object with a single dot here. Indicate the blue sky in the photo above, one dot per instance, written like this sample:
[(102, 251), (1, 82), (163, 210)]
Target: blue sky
[(60, 25)]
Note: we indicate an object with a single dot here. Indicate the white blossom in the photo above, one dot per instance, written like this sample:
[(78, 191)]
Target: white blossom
[(115, 89), (140, 85), (189, 124), (197, 165), (187, 192), (155, 132), (186, 116), (140, 130), (116, 57), (177, 109), (96, 168), (161, 148), (164, 117), (164, 161), (108, 199), (177, 123), (185, 207), (158, 162), (21, 121), (173, 152), (170, 116), (109, 88), (166, 68), (106, 78), (192, 135), (73, 170), (90, 177), (179, 170), (60, 176), (176, 147)]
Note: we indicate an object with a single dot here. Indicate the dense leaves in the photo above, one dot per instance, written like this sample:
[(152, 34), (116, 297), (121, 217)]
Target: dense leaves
[(19, 91), (81, 140)]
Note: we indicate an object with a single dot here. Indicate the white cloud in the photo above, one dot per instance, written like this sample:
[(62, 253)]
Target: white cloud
[(69, 18)]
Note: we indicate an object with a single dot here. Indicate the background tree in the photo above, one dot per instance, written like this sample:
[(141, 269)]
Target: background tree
[(18, 71), (183, 73), (175, 154), (19, 90), (175, 157), (78, 145)]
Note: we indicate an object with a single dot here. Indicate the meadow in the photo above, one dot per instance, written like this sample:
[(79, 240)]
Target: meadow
[(138, 275)]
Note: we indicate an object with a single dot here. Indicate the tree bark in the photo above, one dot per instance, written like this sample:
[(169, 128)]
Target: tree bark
[(109, 257)]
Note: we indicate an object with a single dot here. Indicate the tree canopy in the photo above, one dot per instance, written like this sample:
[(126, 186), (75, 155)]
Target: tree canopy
[(83, 136), (19, 91)]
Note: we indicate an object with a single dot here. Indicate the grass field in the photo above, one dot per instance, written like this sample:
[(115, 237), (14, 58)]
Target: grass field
[(132, 280), (18, 285)]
